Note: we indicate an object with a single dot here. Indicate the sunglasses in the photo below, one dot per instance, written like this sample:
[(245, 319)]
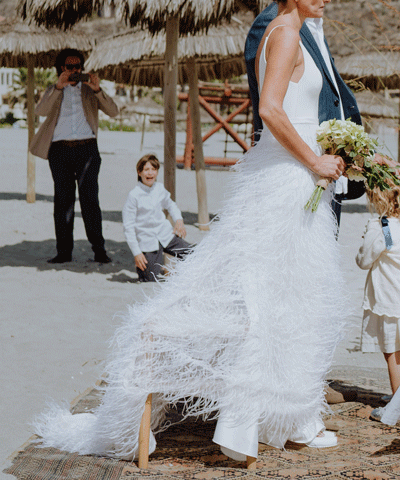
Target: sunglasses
[(71, 66)]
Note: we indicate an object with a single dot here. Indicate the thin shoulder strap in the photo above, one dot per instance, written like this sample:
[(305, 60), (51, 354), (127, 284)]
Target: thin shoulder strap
[(262, 56), (276, 26), (386, 233)]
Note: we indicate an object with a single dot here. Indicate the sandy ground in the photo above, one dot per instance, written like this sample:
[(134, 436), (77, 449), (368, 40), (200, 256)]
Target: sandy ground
[(56, 320)]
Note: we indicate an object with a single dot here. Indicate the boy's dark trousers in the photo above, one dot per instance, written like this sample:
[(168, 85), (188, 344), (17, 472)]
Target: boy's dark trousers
[(177, 247)]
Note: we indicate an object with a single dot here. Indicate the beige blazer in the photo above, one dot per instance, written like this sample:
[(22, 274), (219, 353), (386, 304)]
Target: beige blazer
[(50, 106)]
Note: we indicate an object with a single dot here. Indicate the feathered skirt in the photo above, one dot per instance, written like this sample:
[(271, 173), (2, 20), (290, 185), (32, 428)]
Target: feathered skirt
[(246, 325)]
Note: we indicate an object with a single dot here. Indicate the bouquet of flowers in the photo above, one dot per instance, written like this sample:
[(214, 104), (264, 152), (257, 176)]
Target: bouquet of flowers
[(350, 141)]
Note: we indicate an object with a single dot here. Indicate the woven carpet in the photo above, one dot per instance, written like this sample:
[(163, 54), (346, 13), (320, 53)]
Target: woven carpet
[(366, 450)]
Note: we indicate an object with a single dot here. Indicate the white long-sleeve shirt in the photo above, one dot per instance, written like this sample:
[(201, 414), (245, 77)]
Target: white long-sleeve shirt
[(315, 26), (72, 123), (145, 225), (382, 286)]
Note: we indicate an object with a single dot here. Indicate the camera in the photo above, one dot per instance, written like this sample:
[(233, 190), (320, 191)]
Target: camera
[(79, 77)]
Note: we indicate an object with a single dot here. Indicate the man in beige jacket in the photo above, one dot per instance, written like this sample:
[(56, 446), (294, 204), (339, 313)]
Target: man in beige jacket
[(68, 139)]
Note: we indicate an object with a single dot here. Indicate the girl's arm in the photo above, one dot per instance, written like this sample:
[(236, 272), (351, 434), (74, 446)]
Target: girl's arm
[(373, 245), (284, 55)]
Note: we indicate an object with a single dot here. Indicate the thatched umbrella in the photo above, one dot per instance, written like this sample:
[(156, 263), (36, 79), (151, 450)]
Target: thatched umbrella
[(137, 58), (22, 45), (176, 17), (377, 70)]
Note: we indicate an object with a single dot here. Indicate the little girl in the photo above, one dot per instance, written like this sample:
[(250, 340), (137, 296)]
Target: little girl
[(380, 254)]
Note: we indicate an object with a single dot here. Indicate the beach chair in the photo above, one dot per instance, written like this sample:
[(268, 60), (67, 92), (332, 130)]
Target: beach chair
[(144, 439)]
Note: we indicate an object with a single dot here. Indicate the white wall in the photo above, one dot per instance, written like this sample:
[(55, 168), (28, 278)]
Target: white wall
[(7, 77)]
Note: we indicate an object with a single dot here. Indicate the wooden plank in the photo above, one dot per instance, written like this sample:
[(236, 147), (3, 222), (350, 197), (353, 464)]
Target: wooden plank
[(30, 94), (251, 463), (224, 124), (222, 161), (144, 434), (203, 216), (189, 141), (170, 84)]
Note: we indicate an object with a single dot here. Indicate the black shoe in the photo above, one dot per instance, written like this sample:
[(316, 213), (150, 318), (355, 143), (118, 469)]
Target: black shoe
[(61, 258), (102, 257)]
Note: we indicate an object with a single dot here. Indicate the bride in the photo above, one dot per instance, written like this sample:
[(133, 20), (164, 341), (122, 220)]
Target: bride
[(245, 328)]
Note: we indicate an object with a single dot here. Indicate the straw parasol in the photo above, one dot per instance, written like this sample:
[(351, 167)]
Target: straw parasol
[(150, 14), (137, 58), (376, 70), (22, 45), (175, 17)]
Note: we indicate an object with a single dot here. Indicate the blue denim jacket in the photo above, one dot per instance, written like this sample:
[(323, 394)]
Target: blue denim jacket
[(329, 106)]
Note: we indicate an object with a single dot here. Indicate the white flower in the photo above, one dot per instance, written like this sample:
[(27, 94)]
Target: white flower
[(354, 175)]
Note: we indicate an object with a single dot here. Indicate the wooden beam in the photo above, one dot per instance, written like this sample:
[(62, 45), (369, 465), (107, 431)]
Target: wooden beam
[(224, 124), (398, 133), (30, 94), (230, 117), (170, 84), (194, 106), (189, 141), (144, 434), (251, 463)]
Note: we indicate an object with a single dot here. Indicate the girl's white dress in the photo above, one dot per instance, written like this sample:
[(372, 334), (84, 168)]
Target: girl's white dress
[(246, 326), (381, 322)]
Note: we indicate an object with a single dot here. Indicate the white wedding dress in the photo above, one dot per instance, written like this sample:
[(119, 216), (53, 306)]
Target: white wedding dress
[(245, 327)]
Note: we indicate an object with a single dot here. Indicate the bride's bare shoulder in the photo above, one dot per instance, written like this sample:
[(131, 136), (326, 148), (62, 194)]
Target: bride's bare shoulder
[(279, 32)]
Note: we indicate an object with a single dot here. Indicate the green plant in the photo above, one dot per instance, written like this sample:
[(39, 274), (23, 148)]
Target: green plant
[(43, 79), (115, 126), (8, 120)]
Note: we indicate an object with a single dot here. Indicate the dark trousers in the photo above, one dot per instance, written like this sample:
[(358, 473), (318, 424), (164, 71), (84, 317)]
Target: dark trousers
[(177, 247), (76, 163)]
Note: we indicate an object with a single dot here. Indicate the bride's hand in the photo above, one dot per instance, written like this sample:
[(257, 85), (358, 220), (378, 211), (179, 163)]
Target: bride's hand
[(329, 166)]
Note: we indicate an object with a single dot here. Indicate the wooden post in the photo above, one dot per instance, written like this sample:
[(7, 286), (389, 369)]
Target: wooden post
[(194, 106), (30, 94), (251, 463), (144, 434), (143, 130), (170, 84), (398, 133), (187, 156)]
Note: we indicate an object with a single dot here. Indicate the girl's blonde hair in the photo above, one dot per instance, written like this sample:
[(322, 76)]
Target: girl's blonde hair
[(387, 202)]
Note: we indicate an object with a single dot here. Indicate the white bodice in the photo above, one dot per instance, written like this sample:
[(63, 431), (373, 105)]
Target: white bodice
[(302, 98)]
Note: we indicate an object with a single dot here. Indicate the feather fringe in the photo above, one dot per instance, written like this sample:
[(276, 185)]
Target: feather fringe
[(248, 323)]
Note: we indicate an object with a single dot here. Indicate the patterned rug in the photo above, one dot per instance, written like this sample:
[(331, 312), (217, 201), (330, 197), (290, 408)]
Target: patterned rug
[(366, 450)]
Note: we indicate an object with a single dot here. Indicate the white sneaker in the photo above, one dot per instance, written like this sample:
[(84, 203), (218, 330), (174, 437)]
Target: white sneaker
[(324, 440)]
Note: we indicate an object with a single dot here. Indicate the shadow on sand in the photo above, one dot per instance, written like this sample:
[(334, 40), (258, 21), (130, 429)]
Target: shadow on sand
[(36, 253)]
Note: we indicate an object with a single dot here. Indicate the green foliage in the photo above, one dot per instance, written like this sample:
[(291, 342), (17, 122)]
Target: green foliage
[(43, 79), (8, 120), (115, 126)]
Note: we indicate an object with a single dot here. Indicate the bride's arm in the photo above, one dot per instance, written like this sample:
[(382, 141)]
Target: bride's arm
[(283, 57)]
